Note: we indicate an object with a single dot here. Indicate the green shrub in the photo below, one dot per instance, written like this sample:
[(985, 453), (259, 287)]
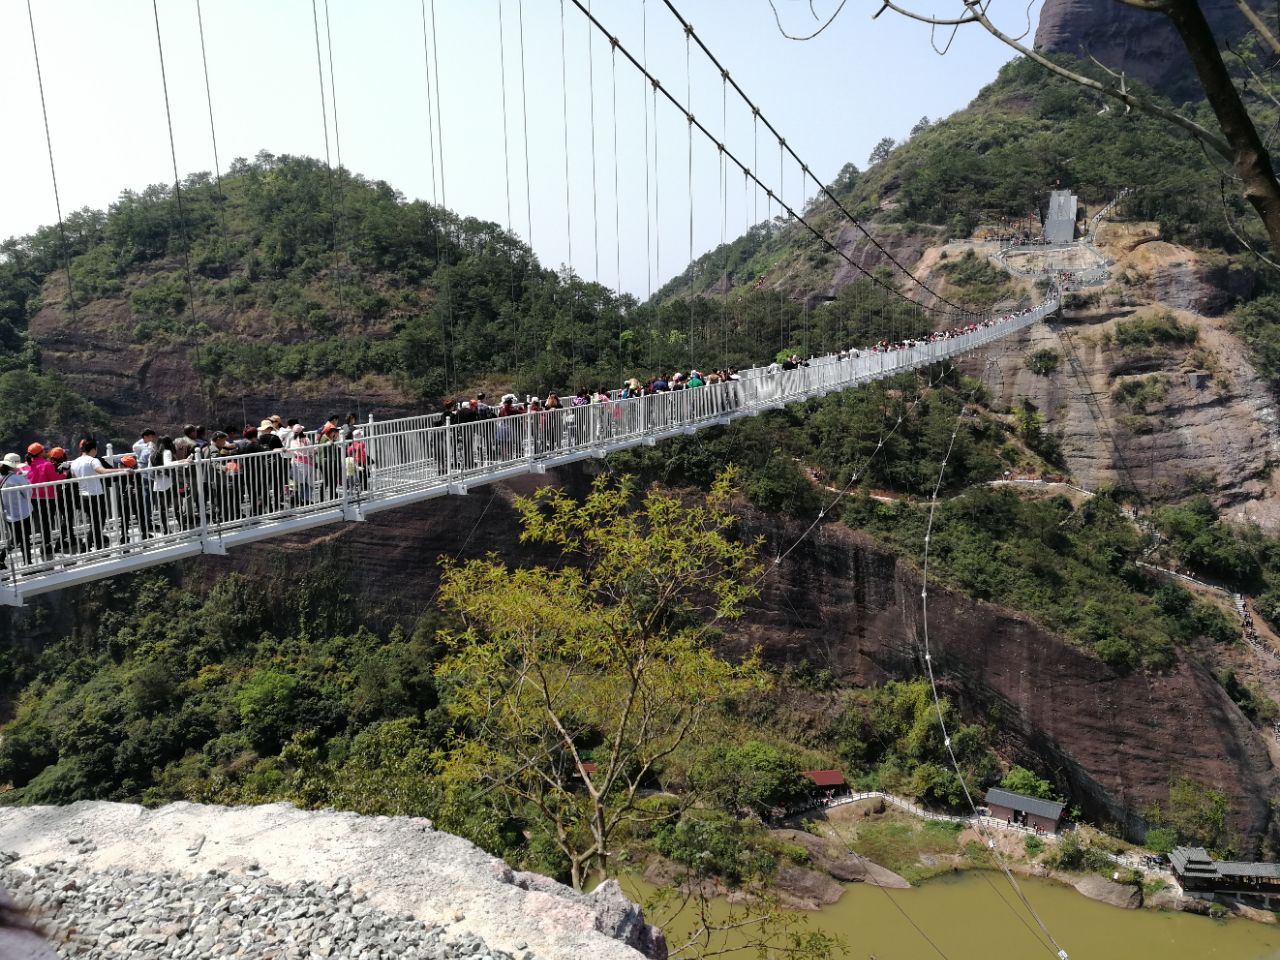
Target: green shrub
[(1160, 329), (1161, 839), (1137, 393), (266, 705), (1034, 846), (1072, 854), (715, 845), (1043, 362)]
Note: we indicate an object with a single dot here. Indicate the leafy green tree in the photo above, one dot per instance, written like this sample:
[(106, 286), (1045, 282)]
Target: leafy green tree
[(750, 776), (881, 151), (1023, 781), (267, 705), (573, 685), (1198, 813), (1161, 839)]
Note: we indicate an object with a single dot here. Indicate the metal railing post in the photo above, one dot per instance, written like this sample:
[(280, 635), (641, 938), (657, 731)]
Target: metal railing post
[(202, 508)]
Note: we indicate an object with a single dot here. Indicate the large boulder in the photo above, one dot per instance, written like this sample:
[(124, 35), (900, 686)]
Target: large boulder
[(1108, 891)]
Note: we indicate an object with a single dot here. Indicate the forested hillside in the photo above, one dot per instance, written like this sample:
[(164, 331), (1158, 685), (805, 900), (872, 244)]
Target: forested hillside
[(308, 285), (991, 163), (311, 285)]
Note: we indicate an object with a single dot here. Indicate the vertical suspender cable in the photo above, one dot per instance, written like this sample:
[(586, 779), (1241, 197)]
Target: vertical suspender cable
[(564, 107), (724, 211), (324, 116), (591, 93), (524, 115), (177, 184), (568, 211), (340, 213), (657, 193), (502, 79), (450, 361), (648, 237), (53, 173), (435, 58), (595, 200), (333, 87), (688, 74), (617, 214), (213, 132), (506, 140), (431, 127), (217, 165)]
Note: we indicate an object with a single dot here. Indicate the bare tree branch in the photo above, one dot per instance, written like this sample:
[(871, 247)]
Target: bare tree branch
[(978, 16), (1259, 25)]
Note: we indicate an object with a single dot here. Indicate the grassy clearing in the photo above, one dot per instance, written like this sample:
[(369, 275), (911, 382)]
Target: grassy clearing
[(914, 849)]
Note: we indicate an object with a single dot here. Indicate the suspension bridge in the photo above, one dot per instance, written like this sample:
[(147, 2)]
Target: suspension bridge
[(102, 526), (83, 529), (87, 528)]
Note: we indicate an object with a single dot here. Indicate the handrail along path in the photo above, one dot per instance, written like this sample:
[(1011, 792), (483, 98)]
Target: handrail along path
[(86, 529)]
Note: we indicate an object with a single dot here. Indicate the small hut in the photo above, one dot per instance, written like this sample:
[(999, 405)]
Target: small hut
[(1012, 807)]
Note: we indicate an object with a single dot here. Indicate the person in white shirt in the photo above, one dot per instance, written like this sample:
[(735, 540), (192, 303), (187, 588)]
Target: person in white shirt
[(144, 441), (15, 498), (89, 470)]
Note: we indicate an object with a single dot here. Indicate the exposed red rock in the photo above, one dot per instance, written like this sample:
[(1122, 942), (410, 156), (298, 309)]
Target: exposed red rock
[(841, 602), (1140, 43)]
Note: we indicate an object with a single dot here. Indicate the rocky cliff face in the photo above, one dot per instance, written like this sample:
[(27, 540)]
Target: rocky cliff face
[(1116, 739), (1140, 43), (1206, 421), (145, 382), (841, 602)]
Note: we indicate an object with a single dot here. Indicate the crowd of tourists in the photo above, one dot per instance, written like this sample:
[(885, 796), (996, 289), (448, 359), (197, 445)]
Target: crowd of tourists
[(69, 499), (62, 501)]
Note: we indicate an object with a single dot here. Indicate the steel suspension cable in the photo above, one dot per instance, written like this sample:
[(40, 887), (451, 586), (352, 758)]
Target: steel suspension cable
[(524, 118), (502, 80), (657, 188), (782, 290), (688, 74), (435, 63), (805, 168), (617, 203), (648, 239), (217, 166), (564, 107), (724, 214), (568, 209), (591, 92), (506, 143), (783, 207), (177, 184), (213, 130), (53, 172), (1056, 947), (344, 269), (431, 63), (324, 116), (431, 127)]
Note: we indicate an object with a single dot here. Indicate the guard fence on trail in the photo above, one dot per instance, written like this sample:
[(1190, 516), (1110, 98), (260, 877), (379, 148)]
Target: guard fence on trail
[(87, 528), (902, 803)]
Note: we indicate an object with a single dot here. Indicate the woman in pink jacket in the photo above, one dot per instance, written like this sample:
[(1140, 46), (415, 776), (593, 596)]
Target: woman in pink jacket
[(41, 473)]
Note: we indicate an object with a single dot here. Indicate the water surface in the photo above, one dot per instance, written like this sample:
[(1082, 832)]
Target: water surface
[(971, 916)]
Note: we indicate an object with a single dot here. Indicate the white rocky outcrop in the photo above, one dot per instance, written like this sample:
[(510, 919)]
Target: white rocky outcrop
[(399, 866)]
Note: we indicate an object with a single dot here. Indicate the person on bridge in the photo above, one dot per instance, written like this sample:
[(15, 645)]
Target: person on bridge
[(40, 472), (15, 498), (89, 470)]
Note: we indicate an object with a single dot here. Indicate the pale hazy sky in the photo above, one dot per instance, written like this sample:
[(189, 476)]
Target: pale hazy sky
[(832, 98)]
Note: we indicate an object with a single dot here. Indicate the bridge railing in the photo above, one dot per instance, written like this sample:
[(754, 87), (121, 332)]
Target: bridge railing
[(137, 518)]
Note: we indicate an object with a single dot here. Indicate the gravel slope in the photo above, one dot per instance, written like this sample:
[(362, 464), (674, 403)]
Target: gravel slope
[(310, 877)]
